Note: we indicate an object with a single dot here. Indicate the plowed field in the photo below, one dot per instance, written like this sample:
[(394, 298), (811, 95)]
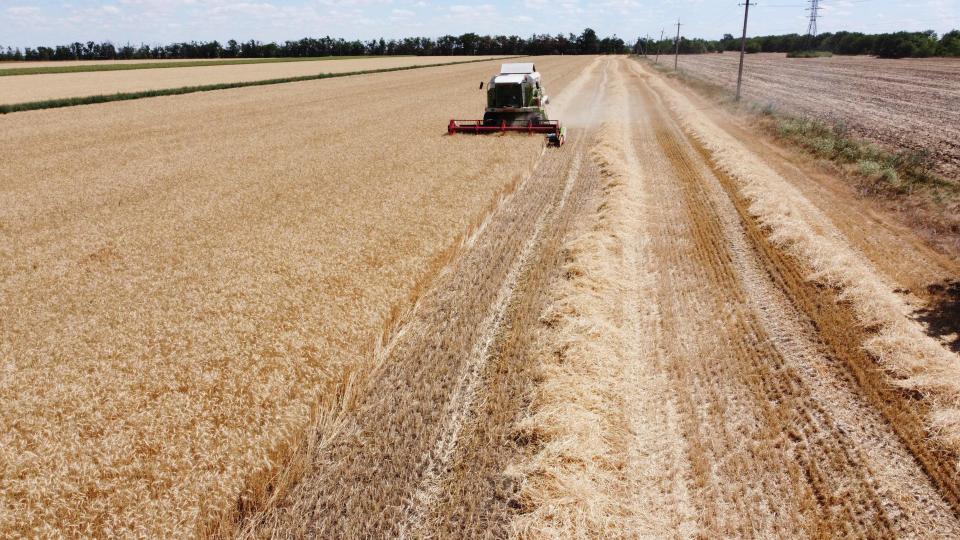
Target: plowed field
[(904, 104), (268, 313)]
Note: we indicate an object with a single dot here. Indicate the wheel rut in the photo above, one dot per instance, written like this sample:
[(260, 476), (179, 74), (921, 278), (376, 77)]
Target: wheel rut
[(620, 351), (849, 469), (395, 457)]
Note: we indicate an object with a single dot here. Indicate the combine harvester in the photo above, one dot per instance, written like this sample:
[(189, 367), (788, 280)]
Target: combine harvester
[(515, 102)]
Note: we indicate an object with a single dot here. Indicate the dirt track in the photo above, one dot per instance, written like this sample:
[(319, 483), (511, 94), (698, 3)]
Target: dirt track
[(624, 350)]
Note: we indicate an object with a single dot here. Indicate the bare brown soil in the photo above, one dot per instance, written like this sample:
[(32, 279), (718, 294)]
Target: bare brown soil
[(904, 104)]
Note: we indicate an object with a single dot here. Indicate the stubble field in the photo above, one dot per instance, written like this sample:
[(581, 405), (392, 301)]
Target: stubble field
[(304, 311), (904, 104)]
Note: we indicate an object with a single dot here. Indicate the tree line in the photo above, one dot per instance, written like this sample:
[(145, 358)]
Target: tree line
[(588, 42), (889, 45)]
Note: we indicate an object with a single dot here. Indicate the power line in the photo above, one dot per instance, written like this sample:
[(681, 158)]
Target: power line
[(814, 10), (676, 54), (658, 46), (743, 45)]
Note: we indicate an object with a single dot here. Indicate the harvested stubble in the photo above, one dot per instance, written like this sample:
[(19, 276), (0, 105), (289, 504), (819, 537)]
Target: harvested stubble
[(911, 375), (173, 299), (24, 88), (682, 393)]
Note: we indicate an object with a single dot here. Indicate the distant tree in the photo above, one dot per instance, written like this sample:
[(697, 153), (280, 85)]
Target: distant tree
[(232, 50), (906, 44), (588, 43), (949, 44), (894, 45)]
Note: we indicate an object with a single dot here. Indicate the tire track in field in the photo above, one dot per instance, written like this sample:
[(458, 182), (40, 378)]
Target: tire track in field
[(823, 461), (396, 443), (900, 371), (469, 399), (735, 384), (465, 396), (658, 452), (793, 427)]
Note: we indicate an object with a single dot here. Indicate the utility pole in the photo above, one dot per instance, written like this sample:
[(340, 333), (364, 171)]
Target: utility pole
[(676, 54), (658, 46), (812, 27), (646, 44), (743, 46)]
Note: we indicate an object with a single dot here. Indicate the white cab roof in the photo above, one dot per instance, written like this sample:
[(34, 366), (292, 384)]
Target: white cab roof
[(522, 68), (509, 79)]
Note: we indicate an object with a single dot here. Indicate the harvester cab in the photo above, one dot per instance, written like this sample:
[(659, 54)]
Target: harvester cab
[(516, 102)]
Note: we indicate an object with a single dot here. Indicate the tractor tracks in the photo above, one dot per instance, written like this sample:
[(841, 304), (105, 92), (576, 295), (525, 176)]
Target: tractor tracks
[(836, 465), (621, 351), (464, 398), (685, 328), (398, 454)]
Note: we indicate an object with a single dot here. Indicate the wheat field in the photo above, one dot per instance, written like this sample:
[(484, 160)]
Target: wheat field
[(171, 307), (303, 310), (41, 87), (63, 63)]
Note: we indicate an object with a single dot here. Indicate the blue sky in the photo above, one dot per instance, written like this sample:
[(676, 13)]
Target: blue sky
[(46, 22)]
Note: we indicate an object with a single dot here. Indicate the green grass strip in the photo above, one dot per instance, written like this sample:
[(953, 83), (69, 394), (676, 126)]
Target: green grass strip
[(80, 68), (809, 54), (124, 96)]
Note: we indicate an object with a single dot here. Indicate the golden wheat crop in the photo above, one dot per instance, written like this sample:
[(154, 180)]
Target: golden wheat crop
[(302, 309), (181, 274), (68, 63), (40, 87)]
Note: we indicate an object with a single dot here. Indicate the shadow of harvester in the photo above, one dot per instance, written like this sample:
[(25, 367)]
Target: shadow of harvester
[(942, 315)]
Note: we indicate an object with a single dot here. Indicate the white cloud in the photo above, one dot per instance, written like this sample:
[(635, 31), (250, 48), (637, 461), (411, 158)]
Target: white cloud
[(472, 9), (24, 14)]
